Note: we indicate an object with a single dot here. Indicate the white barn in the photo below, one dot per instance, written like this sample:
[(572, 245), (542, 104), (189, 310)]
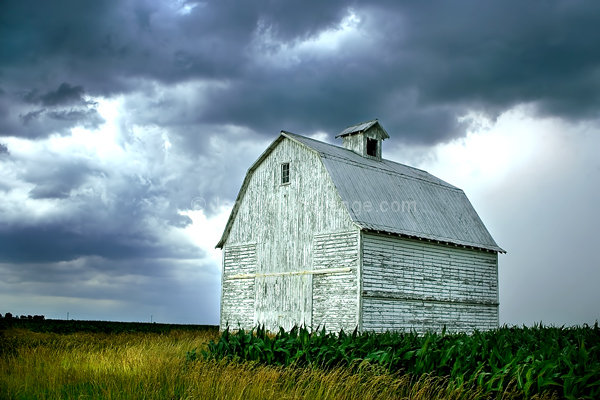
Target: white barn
[(339, 237)]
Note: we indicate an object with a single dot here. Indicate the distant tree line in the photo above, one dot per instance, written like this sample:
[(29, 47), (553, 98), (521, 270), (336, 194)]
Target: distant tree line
[(29, 317)]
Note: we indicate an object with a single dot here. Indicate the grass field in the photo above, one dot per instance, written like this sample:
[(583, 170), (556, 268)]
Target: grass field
[(151, 365)]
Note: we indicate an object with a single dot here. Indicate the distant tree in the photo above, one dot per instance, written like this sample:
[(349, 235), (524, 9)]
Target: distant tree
[(0, 316), (23, 317), (8, 315), (38, 318)]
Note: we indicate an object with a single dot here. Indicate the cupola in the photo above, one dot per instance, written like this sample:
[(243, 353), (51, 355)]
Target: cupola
[(364, 138)]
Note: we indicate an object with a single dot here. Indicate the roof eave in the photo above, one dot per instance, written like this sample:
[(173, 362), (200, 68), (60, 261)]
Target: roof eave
[(242, 191), (494, 249)]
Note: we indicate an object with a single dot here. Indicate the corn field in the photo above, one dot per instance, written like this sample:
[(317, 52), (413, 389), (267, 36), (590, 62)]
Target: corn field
[(533, 361)]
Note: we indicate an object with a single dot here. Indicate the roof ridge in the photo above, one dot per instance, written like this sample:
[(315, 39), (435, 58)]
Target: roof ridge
[(361, 127), (395, 173), (361, 123), (390, 172)]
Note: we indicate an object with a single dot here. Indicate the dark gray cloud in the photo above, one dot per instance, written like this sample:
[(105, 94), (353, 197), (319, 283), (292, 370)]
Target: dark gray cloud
[(33, 114), (42, 122), (64, 95), (127, 231), (87, 118), (96, 208), (502, 54), (62, 175), (203, 87), (419, 66)]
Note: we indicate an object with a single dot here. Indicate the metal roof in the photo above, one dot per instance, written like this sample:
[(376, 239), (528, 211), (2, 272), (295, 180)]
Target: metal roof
[(385, 196), (363, 126)]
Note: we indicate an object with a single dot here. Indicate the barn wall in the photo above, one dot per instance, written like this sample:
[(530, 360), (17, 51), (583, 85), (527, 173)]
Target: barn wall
[(410, 284), (237, 291), (282, 220), (335, 294)]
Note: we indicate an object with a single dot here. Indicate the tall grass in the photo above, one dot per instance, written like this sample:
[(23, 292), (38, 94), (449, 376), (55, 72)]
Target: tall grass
[(37, 365), (95, 365)]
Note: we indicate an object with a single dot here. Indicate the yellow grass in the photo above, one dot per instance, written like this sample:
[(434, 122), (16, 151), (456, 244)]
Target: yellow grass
[(153, 366)]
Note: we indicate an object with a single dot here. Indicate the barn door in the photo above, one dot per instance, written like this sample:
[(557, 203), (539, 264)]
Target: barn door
[(283, 300)]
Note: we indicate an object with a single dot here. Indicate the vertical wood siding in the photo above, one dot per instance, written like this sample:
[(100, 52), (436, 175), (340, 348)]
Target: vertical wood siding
[(355, 142), (335, 295), (283, 301), (237, 296), (282, 220), (410, 284)]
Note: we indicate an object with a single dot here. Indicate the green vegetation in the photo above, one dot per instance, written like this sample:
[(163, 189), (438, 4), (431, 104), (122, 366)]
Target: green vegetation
[(73, 326), (93, 364), (127, 365), (527, 361)]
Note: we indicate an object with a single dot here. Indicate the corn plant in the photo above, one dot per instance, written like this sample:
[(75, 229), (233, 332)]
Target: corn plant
[(535, 360)]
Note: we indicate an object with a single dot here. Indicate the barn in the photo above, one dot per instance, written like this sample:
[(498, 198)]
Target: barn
[(323, 235)]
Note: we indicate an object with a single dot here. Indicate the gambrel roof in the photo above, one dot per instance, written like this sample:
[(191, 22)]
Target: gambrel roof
[(389, 197)]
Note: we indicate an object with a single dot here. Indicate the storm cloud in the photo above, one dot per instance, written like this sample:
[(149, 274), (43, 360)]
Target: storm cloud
[(117, 119), (308, 65)]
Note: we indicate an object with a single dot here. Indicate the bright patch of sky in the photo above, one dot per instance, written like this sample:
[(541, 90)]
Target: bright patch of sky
[(206, 231), (184, 7)]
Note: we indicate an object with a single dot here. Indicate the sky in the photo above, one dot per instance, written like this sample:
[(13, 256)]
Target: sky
[(126, 129)]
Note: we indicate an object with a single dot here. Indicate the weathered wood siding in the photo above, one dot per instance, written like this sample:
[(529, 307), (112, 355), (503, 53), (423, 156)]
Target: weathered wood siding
[(411, 284), (282, 221), (358, 142), (335, 294), (283, 301), (237, 292)]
